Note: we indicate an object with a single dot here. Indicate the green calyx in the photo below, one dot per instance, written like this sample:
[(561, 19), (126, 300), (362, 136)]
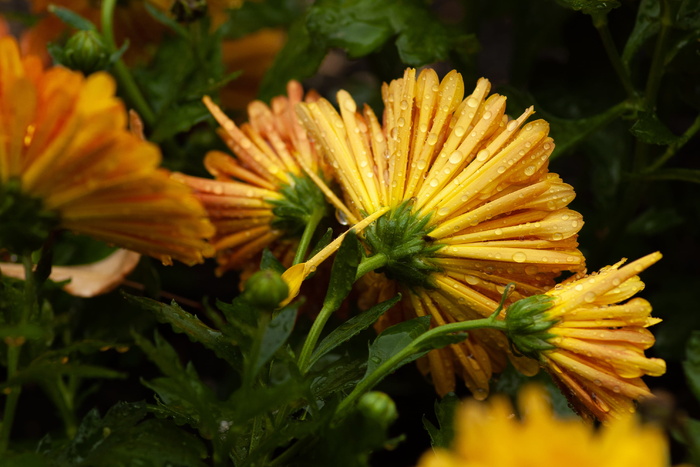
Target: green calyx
[(24, 224), (402, 238), (527, 324), (303, 202)]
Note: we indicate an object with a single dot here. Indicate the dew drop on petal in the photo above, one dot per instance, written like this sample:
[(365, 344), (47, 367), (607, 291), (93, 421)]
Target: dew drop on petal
[(434, 182), (529, 170), (589, 297), (459, 131), (432, 139), (512, 125), (483, 155), (487, 115), (456, 157), (501, 169), (519, 257), (421, 164), (472, 102), (404, 104)]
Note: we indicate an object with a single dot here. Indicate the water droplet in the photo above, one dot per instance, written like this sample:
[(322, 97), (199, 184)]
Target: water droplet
[(370, 174), (432, 139), (597, 382), (423, 128), (456, 157), (341, 217), (443, 211), (487, 115), (574, 224), (578, 287), (459, 131), (434, 182), (472, 102), (557, 236), (589, 297), (512, 125), (363, 164), (401, 122), (498, 232), (394, 133), (483, 155), (421, 164), (529, 170), (501, 169), (519, 257), (616, 281), (404, 104)]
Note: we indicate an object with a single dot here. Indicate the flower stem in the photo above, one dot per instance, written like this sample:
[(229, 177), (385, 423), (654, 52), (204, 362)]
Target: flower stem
[(367, 264), (601, 24), (14, 350), (126, 81), (391, 363), (673, 148), (308, 234)]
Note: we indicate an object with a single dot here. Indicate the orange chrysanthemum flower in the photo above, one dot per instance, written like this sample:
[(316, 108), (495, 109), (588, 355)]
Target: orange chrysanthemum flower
[(489, 434), (591, 343), (473, 208), (262, 196), (67, 160)]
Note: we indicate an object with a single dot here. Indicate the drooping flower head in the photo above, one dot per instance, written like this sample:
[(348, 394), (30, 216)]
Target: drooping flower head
[(590, 341), (473, 208), (490, 434), (68, 161), (262, 195)]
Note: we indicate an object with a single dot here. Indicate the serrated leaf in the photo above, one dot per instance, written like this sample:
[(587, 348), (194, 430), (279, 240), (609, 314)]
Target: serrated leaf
[(442, 435), (646, 26), (72, 18), (649, 129), (343, 271), (691, 365), (161, 353), (276, 335), (184, 322), (351, 327)]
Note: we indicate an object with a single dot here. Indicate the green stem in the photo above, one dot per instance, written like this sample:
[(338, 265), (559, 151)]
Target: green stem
[(263, 321), (390, 364), (308, 234), (601, 24), (656, 70), (126, 81), (14, 350), (674, 147), (367, 264)]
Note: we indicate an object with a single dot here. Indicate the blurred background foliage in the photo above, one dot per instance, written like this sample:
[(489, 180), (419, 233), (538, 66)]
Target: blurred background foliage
[(619, 82)]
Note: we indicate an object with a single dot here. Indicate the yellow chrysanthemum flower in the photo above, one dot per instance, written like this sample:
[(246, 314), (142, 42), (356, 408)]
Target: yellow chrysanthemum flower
[(261, 196), (589, 341), (489, 434), (473, 208), (67, 160)]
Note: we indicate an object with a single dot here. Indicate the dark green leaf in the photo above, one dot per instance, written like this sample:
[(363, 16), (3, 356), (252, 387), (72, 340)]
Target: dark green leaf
[(351, 327), (422, 38), (253, 16), (178, 119), (47, 372), (27, 330), (275, 336), (269, 261), (344, 270), (688, 16), (337, 377), (655, 221), (322, 242), (72, 18), (166, 20), (161, 353), (591, 7), (445, 411), (691, 365), (299, 58), (395, 339), (646, 26), (649, 129), (184, 322), (25, 459), (684, 175)]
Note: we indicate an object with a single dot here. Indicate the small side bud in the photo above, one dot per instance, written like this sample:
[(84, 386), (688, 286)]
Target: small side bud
[(85, 51), (266, 289), (379, 407), (527, 324)]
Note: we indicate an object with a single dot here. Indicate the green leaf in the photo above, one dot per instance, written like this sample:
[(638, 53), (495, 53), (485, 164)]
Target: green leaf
[(27, 330), (123, 437), (691, 365), (649, 129), (276, 335), (253, 16), (178, 119), (25, 459), (163, 18), (323, 242), (655, 221), (48, 372), (351, 327), (186, 323), (269, 261), (590, 7), (72, 18), (344, 270), (445, 411), (161, 353), (646, 26), (422, 38), (395, 339), (679, 174), (299, 58), (337, 377)]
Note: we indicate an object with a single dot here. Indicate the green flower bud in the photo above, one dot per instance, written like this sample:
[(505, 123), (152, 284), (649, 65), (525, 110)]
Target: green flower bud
[(266, 289), (527, 324), (379, 407), (85, 51)]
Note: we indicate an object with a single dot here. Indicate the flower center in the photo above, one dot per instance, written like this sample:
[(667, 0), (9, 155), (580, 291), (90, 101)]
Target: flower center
[(402, 237)]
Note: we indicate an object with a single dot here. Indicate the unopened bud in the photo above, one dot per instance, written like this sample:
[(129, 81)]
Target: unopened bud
[(86, 51), (379, 407), (266, 289)]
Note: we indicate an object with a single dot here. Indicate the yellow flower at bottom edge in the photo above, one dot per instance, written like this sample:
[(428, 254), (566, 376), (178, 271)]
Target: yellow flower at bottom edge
[(68, 161), (472, 207), (589, 341), (488, 434)]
